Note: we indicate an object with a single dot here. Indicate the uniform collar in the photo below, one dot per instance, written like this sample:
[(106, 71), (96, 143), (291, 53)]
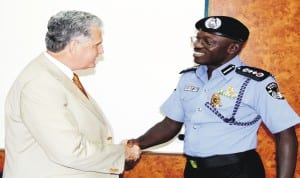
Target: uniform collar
[(226, 70)]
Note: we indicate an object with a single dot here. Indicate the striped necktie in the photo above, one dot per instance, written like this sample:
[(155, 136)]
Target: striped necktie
[(78, 84)]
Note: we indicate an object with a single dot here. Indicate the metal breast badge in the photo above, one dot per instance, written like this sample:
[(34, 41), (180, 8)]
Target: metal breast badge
[(215, 100)]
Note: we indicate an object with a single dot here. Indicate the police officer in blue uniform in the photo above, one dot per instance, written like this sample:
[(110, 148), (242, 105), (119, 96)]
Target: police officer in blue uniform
[(222, 102)]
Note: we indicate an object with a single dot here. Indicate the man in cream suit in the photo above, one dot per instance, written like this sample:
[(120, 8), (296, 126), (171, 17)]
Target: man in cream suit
[(54, 130)]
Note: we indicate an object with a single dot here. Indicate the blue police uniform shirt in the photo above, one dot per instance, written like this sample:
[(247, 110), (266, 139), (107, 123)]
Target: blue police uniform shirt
[(222, 115)]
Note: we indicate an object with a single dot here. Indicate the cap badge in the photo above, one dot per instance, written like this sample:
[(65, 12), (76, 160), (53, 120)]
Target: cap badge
[(215, 100), (213, 23)]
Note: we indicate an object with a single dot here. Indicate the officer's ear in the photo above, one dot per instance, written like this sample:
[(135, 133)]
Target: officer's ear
[(234, 47)]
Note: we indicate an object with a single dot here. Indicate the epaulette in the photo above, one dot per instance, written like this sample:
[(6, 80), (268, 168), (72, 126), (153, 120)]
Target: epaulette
[(252, 72), (194, 68)]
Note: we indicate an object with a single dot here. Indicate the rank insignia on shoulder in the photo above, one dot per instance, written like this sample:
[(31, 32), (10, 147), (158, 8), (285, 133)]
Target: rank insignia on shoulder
[(273, 90), (194, 68), (252, 72)]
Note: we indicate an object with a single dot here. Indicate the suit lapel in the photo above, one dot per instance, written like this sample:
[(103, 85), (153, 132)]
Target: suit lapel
[(69, 85)]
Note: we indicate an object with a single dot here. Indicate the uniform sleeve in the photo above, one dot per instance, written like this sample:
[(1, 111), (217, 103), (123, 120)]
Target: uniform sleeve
[(172, 107), (275, 110)]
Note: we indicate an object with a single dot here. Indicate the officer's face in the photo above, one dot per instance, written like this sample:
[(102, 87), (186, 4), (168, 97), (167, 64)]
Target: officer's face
[(211, 50)]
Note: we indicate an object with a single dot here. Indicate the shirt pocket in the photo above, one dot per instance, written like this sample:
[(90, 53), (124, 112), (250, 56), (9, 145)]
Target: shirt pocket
[(224, 108), (227, 103), (190, 100)]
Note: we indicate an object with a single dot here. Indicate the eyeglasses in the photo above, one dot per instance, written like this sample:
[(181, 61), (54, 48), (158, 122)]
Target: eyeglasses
[(207, 43)]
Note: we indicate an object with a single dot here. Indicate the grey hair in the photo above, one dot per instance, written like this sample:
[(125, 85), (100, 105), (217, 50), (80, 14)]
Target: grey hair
[(69, 25)]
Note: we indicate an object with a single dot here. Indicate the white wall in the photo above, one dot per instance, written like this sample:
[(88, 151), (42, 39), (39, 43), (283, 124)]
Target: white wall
[(146, 44)]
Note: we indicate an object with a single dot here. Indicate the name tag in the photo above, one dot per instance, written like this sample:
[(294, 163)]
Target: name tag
[(191, 88)]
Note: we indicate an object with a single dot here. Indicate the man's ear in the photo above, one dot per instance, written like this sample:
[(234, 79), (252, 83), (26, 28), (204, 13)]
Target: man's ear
[(234, 48), (72, 46)]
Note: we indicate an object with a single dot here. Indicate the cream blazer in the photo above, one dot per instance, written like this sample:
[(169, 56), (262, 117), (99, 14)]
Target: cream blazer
[(53, 131)]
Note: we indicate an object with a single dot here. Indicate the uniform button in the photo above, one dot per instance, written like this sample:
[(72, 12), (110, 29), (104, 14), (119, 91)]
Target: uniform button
[(194, 127), (109, 138), (205, 90), (199, 109)]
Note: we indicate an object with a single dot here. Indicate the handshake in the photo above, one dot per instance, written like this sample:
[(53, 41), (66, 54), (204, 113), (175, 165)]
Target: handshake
[(132, 153)]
